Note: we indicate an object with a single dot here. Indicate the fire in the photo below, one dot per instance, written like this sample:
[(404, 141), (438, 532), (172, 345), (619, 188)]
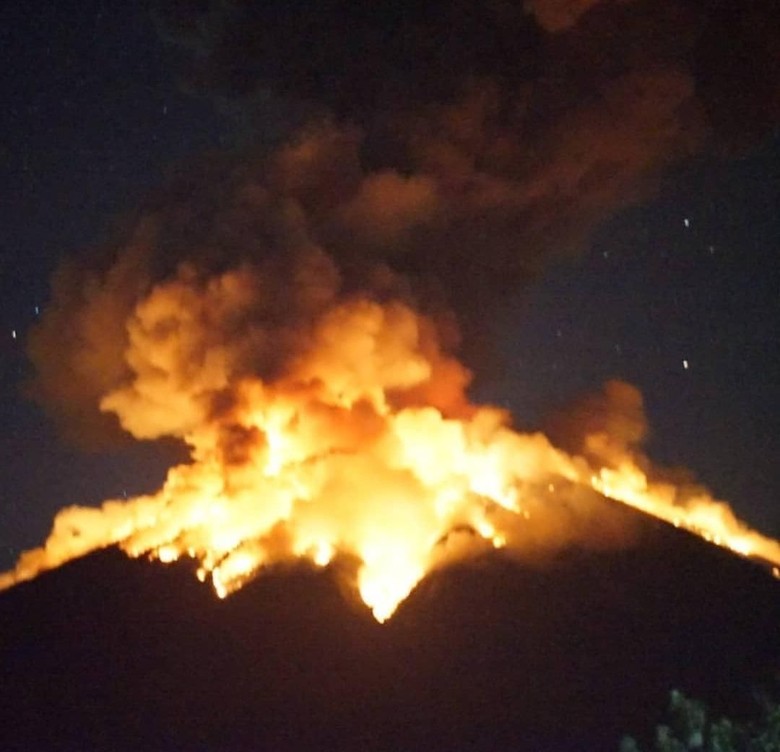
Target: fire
[(360, 441), (712, 520)]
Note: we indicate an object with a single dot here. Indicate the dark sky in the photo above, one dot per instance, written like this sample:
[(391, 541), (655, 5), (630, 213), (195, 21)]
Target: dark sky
[(678, 295)]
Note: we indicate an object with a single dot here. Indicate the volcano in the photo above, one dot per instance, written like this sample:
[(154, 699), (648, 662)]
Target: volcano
[(496, 653)]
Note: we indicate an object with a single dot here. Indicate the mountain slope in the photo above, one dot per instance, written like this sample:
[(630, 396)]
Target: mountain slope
[(498, 654)]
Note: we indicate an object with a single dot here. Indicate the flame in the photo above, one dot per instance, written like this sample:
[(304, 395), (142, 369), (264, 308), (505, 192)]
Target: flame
[(699, 513), (362, 443)]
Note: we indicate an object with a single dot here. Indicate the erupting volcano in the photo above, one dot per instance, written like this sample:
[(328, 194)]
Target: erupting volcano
[(293, 318), (324, 421), (304, 314), (354, 548)]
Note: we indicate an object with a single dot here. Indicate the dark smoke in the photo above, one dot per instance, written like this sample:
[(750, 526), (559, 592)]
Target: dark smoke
[(440, 152), (369, 63)]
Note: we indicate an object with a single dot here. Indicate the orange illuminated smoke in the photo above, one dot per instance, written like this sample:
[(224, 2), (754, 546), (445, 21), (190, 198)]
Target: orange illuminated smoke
[(360, 441)]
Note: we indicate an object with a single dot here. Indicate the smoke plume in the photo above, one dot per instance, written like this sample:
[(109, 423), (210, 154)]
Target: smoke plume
[(456, 145), (293, 311)]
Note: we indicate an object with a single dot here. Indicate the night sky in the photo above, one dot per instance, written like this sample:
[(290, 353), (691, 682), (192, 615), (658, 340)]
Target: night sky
[(678, 294)]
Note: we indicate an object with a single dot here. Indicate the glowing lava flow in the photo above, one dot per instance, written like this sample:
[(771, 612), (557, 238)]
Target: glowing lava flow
[(363, 444), (698, 513)]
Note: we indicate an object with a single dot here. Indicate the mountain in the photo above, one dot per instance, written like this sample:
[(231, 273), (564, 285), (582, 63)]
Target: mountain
[(109, 653)]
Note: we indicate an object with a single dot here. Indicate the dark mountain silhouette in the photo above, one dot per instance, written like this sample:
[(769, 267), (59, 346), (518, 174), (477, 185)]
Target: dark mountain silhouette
[(108, 653)]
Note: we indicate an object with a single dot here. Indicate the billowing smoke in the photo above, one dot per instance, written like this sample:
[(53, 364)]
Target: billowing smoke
[(553, 58), (457, 145), (292, 311)]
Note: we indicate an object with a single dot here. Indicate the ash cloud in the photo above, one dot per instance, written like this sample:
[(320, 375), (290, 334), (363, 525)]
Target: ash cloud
[(367, 62), (439, 153)]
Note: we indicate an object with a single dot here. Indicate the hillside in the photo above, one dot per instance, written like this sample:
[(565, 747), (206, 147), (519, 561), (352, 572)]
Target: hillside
[(112, 653)]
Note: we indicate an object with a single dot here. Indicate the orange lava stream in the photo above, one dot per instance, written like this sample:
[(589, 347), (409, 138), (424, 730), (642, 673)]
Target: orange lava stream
[(700, 514)]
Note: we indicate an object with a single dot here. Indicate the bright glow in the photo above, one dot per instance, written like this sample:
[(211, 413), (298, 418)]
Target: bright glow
[(364, 445)]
